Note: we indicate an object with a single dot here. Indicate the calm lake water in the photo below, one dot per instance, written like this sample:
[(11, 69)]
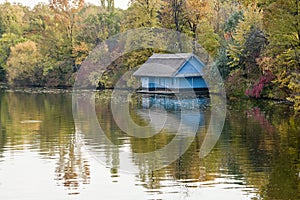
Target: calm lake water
[(45, 154)]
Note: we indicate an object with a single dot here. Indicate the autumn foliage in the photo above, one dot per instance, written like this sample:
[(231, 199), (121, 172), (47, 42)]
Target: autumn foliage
[(255, 44)]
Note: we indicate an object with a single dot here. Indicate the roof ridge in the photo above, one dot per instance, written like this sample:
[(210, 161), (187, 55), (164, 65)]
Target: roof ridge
[(176, 55)]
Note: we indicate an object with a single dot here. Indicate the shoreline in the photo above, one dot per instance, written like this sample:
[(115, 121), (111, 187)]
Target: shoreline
[(42, 89)]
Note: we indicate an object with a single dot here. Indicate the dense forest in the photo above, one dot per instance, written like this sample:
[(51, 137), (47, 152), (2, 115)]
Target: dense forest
[(256, 44)]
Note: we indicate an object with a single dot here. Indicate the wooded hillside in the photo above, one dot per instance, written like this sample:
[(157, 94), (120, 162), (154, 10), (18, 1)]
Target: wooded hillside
[(256, 44)]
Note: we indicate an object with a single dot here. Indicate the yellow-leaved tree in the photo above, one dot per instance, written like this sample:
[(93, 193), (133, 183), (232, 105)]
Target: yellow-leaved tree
[(248, 43), (282, 23), (24, 64), (198, 15)]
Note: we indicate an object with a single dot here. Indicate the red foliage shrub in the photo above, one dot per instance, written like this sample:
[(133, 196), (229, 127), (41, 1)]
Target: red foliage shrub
[(259, 86)]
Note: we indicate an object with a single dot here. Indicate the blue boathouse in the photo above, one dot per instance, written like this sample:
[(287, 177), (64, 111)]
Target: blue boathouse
[(172, 73)]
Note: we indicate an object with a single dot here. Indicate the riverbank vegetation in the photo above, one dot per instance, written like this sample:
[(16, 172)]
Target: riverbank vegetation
[(256, 44)]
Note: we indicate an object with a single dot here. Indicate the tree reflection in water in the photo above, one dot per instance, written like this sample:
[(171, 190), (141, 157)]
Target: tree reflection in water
[(258, 151), (72, 169), (43, 123), (186, 167)]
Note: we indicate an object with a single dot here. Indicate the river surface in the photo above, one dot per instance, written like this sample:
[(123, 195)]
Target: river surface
[(50, 151)]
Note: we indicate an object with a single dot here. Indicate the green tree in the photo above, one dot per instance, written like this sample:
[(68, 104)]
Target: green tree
[(195, 13), (12, 25), (66, 13), (101, 26), (248, 42), (6, 42), (173, 14), (11, 18), (142, 13), (38, 22), (108, 5), (221, 10), (282, 26), (59, 42), (208, 38), (197, 17), (232, 22), (252, 18)]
